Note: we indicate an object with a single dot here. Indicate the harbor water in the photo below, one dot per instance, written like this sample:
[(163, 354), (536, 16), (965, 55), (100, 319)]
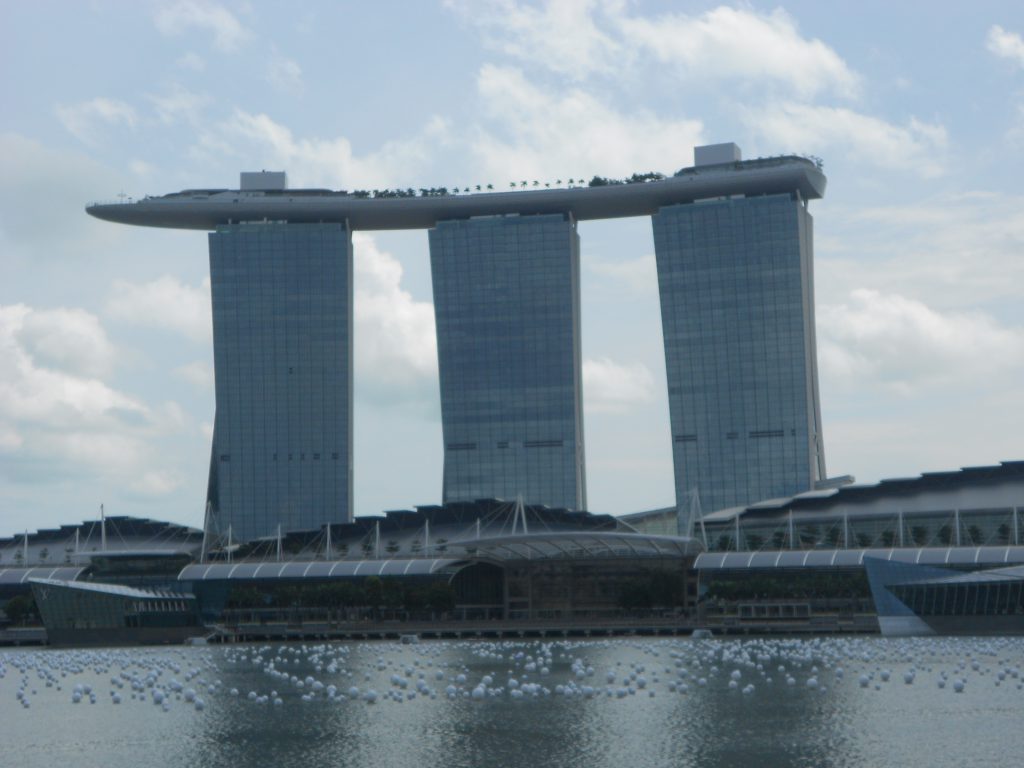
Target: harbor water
[(639, 703)]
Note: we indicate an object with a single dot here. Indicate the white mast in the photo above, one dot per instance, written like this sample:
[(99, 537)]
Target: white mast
[(103, 529), (279, 542), (327, 543), (376, 540), (25, 547), (206, 533), (426, 538), (229, 542)]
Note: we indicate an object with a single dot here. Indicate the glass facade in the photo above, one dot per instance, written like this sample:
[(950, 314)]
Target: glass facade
[(282, 338), (506, 301), (736, 285)]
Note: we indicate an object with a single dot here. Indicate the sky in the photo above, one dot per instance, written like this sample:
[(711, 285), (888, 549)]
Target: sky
[(106, 363)]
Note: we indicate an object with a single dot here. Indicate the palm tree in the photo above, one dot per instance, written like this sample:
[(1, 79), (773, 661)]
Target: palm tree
[(490, 187), (536, 183), (477, 187), (522, 184), (559, 182)]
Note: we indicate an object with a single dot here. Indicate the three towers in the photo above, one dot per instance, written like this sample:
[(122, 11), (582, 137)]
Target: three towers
[(733, 245)]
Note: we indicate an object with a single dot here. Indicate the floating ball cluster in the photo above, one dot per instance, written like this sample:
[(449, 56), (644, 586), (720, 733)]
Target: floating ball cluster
[(475, 672)]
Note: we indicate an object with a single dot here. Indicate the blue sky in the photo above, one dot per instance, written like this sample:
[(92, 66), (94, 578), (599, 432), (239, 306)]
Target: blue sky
[(105, 346)]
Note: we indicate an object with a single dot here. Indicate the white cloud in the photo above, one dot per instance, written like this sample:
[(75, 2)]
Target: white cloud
[(1005, 44), (56, 411), (263, 142), (396, 347), (165, 303), (69, 339), (197, 373), (185, 15), (581, 38), (901, 344), (918, 146), (192, 61), (536, 134), (563, 36), (741, 44), (284, 74), (83, 120), (41, 200), (179, 104), (640, 275), (157, 483), (613, 387), (957, 250)]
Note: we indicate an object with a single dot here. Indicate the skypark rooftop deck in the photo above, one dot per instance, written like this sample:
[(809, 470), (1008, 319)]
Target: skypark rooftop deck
[(207, 209)]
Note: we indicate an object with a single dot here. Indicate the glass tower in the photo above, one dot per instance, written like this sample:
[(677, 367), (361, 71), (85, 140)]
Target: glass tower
[(737, 306), (506, 301), (282, 348)]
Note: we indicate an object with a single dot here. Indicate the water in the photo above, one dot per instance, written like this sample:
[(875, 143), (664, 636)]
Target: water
[(598, 723)]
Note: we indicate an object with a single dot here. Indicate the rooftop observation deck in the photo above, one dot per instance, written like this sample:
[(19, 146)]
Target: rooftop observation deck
[(208, 209)]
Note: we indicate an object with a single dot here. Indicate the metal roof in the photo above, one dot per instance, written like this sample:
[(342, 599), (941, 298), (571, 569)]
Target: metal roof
[(316, 569), (854, 558), (576, 544), (113, 589), (10, 576), (821, 500), (1013, 574)]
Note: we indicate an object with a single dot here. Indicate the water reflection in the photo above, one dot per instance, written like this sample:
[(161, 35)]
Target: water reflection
[(838, 722)]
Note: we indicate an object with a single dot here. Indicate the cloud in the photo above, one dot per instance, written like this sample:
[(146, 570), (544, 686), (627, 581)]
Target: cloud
[(197, 373), (1005, 44), (535, 133), (57, 413), (640, 275), (41, 200), (165, 303), (744, 45), (396, 347), (902, 345), (613, 387), (69, 339), (917, 146), (185, 15), (959, 250), (563, 36), (329, 162), (157, 483), (582, 38), (83, 120), (192, 61), (179, 104), (284, 74)]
